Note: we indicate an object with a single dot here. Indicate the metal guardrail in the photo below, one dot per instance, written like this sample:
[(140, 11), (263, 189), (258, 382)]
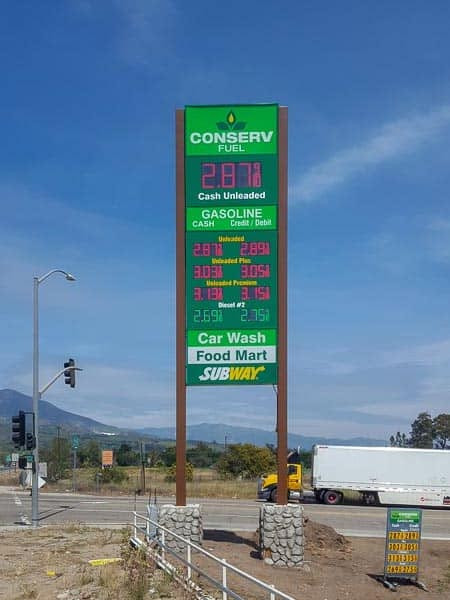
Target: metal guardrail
[(154, 533)]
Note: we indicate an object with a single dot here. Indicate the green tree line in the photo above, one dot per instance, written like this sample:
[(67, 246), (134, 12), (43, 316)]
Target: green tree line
[(426, 432)]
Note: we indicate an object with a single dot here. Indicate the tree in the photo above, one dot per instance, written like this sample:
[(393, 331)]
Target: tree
[(202, 455), (126, 456), (168, 456), (154, 456), (57, 456), (441, 427), (246, 461), (399, 440), (422, 431), (89, 455)]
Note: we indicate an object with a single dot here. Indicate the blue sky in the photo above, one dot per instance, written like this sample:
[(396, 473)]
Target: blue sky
[(88, 93)]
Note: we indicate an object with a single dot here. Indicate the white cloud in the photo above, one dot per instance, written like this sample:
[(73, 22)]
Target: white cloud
[(391, 141), (439, 239), (433, 354), (114, 395)]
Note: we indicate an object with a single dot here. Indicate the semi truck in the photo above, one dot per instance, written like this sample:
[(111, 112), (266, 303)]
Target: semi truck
[(406, 476)]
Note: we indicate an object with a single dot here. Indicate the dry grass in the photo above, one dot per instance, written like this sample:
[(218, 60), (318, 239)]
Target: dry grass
[(9, 477), (206, 484)]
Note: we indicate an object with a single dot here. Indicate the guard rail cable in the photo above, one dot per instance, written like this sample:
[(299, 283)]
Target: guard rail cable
[(152, 541)]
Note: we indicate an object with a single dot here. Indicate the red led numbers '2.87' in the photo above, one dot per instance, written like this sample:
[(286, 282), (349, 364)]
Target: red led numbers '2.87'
[(230, 175), (207, 249)]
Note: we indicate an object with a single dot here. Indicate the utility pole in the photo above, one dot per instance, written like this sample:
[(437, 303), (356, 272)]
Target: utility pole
[(74, 469), (142, 467), (58, 450)]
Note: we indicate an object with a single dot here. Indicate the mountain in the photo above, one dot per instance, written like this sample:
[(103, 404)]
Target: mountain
[(231, 434), (49, 414)]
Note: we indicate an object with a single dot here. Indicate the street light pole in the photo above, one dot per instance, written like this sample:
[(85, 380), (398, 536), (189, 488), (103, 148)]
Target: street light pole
[(36, 393), (35, 473)]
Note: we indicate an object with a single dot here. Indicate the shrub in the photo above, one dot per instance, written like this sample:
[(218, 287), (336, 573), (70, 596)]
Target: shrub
[(113, 475), (172, 471), (246, 461)]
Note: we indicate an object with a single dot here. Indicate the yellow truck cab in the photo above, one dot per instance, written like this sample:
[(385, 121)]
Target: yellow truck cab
[(267, 484)]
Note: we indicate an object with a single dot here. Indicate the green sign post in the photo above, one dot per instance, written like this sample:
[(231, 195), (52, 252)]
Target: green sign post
[(231, 198)]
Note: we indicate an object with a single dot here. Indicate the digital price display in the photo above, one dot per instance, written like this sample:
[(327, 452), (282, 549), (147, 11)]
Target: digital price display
[(233, 274), (230, 175), (403, 533), (231, 251), (207, 249)]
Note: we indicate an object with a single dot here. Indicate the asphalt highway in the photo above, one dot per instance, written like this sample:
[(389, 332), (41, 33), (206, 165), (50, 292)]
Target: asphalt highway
[(229, 515)]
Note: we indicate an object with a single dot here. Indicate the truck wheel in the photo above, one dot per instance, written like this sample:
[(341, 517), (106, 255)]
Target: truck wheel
[(371, 499), (332, 497), (273, 495)]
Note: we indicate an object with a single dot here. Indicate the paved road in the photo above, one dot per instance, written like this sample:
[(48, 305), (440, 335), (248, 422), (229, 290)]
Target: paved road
[(231, 515)]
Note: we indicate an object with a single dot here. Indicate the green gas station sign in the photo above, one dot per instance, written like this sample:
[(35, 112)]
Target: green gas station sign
[(231, 213)]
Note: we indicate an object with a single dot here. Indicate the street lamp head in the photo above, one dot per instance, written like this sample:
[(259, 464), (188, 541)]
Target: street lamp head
[(67, 275)]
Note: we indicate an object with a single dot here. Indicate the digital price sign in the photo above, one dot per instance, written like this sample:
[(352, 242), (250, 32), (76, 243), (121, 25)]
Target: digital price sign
[(403, 533), (231, 175), (231, 244)]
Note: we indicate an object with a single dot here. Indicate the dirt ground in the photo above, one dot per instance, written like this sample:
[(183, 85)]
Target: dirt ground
[(52, 563), (335, 568)]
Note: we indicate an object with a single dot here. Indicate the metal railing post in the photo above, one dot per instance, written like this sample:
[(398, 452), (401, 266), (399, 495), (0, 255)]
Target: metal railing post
[(159, 554), (224, 579), (188, 557)]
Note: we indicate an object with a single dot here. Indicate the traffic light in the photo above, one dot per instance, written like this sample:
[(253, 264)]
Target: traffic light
[(69, 375), (30, 442), (18, 429)]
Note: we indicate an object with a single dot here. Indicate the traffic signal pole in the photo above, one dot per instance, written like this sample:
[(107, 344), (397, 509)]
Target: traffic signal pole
[(35, 480)]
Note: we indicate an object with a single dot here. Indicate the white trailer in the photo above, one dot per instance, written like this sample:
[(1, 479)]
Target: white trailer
[(406, 476)]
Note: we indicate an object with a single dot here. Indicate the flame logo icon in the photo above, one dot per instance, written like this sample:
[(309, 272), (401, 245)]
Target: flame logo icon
[(231, 118), (231, 123)]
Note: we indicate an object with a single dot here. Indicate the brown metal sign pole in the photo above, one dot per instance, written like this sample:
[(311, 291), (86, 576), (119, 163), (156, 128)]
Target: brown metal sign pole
[(282, 307), (180, 314)]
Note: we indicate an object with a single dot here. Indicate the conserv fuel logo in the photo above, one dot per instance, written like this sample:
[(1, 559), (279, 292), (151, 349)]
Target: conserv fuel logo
[(231, 123), (232, 373), (220, 130)]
